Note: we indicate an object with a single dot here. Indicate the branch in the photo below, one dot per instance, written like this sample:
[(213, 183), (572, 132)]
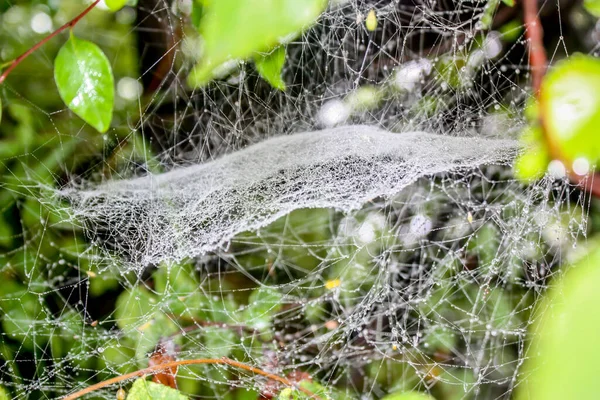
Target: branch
[(157, 368), (68, 25)]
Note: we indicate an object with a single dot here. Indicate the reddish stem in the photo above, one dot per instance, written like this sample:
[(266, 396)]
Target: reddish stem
[(534, 33), (174, 364), (538, 62), (23, 56)]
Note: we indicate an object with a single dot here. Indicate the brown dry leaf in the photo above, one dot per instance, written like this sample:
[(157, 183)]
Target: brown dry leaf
[(165, 352)]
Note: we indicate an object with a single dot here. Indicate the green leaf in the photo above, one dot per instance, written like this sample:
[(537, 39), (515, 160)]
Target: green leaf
[(263, 304), (563, 362), (219, 341), (4, 394), (411, 395), (510, 3), (269, 66), (454, 384), (197, 13), (237, 29), (531, 165), (0, 110), (115, 5), (533, 162), (570, 105), (511, 31), (134, 307), (85, 82), (592, 6), (315, 388), (144, 390)]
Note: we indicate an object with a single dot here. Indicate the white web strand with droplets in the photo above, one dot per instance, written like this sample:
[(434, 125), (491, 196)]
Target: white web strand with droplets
[(193, 210)]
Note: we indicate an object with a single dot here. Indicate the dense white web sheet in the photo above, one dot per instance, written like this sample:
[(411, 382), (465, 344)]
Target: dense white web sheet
[(190, 211)]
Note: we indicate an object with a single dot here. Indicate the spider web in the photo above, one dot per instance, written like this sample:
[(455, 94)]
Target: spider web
[(362, 228)]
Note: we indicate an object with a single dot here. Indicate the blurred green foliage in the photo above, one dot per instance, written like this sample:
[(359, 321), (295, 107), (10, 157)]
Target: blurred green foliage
[(143, 390), (250, 26), (565, 337), (43, 251), (564, 123)]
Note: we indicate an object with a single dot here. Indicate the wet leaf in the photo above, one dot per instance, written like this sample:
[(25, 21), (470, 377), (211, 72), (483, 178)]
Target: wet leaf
[(115, 5), (143, 390), (237, 29), (294, 394), (411, 395), (570, 105), (85, 82), (133, 307), (565, 356), (269, 66), (592, 6), (4, 394), (533, 162), (164, 353), (263, 304)]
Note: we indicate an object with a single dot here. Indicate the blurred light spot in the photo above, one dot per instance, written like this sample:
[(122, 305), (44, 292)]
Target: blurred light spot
[(581, 166), (557, 169), (129, 88), (41, 23), (492, 46), (420, 225), (126, 16), (333, 112), (411, 73)]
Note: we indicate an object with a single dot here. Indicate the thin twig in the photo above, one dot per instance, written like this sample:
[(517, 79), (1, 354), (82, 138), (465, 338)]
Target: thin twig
[(173, 364), (23, 56)]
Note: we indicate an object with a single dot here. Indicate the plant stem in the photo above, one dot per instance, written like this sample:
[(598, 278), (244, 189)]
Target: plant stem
[(538, 60), (68, 25), (161, 367)]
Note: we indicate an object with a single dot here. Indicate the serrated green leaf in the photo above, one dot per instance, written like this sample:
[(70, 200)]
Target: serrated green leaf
[(237, 29), (269, 66), (115, 5), (144, 390), (85, 82)]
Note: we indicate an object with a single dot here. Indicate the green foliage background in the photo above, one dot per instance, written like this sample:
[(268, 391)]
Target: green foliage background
[(43, 145)]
